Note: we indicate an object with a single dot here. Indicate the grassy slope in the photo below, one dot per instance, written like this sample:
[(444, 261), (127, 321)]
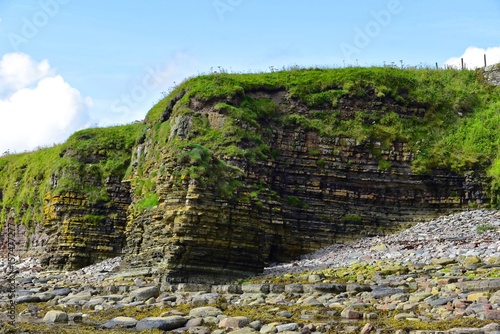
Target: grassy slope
[(26, 178), (458, 130)]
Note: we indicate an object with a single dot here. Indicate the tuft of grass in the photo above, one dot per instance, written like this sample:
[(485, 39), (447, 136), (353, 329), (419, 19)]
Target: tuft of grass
[(352, 218), (484, 228), (296, 202), (148, 202)]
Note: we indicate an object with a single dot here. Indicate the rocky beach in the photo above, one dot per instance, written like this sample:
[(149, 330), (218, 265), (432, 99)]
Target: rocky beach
[(441, 276)]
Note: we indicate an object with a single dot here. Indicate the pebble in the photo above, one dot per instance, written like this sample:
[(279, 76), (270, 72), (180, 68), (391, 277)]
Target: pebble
[(428, 272), (443, 239)]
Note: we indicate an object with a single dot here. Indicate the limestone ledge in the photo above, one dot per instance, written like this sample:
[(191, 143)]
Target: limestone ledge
[(314, 192)]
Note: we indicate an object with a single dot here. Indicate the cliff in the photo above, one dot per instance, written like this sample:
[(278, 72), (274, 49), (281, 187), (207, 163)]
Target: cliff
[(68, 201), (232, 171)]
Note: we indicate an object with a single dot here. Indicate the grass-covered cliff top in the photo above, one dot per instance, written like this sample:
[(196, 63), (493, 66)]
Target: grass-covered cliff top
[(317, 87), (97, 153), (459, 129)]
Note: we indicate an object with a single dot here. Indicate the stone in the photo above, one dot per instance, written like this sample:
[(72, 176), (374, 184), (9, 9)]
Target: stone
[(255, 288), (205, 311), (91, 304), (393, 270), (225, 289), (379, 292), (471, 260), (492, 315), (379, 247), (443, 261), (287, 327), (314, 278), (194, 322), (45, 296), (418, 296), (246, 330), (199, 330), (55, 316), (475, 296), (284, 314), (403, 316), (210, 320), (257, 324), (75, 317), (311, 301), (120, 322), (367, 328), (294, 288), (143, 294), (370, 316), (162, 323), (219, 331), (441, 301), (492, 328), (61, 292), (493, 260), (28, 299), (193, 287), (357, 288), (351, 329), (351, 314), (326, 288), (205, 299), (267, 329), (234, 322), (277, 288)]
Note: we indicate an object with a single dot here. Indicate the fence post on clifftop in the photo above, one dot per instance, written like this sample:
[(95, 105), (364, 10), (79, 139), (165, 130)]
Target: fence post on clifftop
[(485, 60)]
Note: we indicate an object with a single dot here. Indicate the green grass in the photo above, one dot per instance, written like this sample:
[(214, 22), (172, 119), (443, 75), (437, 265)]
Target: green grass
[(81, 165), (484, 228), (148, 202), (352, 218), (450, 120), (296, 202)]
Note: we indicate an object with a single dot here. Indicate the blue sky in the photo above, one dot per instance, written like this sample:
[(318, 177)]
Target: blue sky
[(71, 64)]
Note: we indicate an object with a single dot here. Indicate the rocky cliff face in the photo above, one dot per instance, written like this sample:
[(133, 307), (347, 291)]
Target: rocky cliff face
[(80, 233), (230, 173), (492, 74), (68, 204), (75, 233), (310, 191)]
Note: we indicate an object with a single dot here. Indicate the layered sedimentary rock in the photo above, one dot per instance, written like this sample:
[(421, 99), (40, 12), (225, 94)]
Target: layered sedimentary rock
[(492, 74), (72, 210), (235, 173), (316, 190), (79, 232)]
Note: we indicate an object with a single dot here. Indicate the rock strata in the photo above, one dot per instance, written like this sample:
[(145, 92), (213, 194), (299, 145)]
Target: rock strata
[(371, 295), (309, 191)]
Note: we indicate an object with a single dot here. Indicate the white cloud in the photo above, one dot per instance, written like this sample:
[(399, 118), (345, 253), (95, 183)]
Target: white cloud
[(37, 107), (474, 57), (18, 70)]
